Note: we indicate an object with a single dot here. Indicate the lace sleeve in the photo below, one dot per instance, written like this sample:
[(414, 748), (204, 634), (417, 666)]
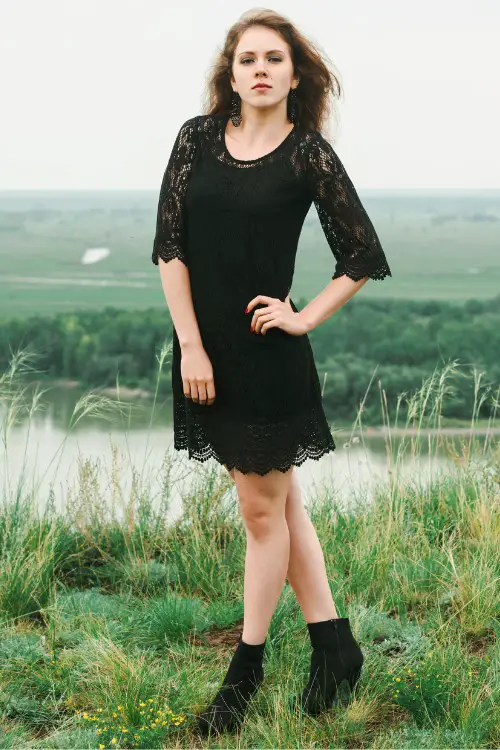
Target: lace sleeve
[(169, 237), (347, 227)]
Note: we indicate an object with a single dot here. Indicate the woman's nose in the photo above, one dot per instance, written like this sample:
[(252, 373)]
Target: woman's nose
[(261, 68)]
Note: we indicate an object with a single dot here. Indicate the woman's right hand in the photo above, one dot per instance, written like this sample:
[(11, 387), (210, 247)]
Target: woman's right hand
[(197, 375)]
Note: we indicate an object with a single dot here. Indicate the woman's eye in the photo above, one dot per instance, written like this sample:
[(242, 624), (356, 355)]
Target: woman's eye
[(246, 59)]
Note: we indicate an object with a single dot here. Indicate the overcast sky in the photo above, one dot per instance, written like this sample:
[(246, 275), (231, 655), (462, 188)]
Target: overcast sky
[(94, 91)]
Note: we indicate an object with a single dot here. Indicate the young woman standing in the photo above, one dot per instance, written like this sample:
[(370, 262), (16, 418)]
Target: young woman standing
[(237, 188)]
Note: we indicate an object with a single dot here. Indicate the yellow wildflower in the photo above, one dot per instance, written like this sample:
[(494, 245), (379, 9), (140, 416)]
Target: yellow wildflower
[(120, 708), (398, 679), (101, 747), (114, 741)]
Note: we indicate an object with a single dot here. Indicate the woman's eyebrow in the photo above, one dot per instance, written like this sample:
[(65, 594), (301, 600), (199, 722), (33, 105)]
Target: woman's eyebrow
[(249, 52)]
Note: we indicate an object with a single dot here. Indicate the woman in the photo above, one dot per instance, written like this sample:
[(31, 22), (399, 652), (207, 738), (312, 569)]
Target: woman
[(238, 185)]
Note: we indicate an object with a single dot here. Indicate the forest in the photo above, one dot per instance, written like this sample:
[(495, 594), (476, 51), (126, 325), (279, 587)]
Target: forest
[(396, 344)]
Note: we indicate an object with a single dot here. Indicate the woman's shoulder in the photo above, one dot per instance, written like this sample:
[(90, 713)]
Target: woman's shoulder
[(202, 124), (316, 150), (199, 129), (312, 140)]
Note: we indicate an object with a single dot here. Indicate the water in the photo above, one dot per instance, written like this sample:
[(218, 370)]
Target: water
[(52, 453)]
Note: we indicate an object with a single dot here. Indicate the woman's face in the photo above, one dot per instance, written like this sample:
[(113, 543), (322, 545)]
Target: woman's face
[(262, 56)]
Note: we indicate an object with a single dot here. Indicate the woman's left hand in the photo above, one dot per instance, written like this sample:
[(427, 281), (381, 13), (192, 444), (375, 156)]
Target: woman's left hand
[(277, 314)]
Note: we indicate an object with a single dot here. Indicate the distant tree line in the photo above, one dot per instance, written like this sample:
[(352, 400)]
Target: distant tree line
[(403, 341)]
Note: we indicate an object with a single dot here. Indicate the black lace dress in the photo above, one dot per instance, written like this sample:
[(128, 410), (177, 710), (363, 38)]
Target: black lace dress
[(236, 226)]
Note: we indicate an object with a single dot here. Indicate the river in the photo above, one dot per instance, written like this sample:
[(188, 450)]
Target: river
[(54, 455)]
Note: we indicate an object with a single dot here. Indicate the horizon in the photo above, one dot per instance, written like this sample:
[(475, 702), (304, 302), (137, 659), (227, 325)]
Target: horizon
[(395, 191)]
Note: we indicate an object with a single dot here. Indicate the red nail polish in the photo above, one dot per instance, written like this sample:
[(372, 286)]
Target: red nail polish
[(246, 309)]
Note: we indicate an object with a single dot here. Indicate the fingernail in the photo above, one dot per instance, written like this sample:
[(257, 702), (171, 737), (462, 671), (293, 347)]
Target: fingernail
[(246, 309)]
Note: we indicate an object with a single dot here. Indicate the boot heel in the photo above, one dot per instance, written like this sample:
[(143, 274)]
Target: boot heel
[(353, 680), (349, 687)]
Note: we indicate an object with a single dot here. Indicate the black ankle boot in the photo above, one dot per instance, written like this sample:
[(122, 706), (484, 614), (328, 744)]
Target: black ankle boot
[(243, 678), (336, 657)]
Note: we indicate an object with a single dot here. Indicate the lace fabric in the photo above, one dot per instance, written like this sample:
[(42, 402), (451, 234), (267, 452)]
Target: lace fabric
[(236, 224), (347, 227), (169, 237)]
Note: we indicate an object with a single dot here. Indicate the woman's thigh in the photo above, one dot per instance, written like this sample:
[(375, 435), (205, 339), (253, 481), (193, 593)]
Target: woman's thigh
[(230, 471), (263, 495), (293, 474)]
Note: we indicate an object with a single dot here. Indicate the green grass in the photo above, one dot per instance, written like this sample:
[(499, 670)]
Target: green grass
[(106, 611)]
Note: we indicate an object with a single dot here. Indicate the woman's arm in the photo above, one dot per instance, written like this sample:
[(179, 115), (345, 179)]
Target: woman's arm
[(169, 252), (348, 230), (177, 289), (331, 299), (169, 243)]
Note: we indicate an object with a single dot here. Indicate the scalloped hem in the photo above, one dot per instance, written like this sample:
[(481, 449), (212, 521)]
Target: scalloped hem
[(313, 452), (384, 273)]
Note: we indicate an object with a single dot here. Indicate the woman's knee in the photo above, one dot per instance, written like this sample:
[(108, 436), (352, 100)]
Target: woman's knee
[(294, 508), (262, 498)]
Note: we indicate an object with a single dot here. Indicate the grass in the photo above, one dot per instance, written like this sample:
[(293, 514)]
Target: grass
[(116, 627)]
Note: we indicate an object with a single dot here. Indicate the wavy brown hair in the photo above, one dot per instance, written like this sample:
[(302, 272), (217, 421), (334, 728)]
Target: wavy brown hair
[(318, 87)]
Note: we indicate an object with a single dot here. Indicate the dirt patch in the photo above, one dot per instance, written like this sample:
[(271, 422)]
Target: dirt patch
[(219, 638)]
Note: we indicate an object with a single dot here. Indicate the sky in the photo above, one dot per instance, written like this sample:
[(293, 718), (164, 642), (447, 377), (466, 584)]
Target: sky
[(95, 91)]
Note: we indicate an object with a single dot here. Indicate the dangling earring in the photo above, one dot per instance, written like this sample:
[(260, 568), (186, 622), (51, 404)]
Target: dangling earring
[(292, 106), (236, 109)]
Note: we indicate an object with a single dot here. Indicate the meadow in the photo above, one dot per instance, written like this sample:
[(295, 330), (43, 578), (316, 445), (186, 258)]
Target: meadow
[(440, 245), (115, 629)]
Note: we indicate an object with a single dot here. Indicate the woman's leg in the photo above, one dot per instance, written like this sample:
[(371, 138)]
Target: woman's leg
[(262, 501), (306, 566), (336, 655)]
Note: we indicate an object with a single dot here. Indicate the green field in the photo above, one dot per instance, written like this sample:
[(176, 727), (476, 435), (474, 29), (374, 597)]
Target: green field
[(440, 245)]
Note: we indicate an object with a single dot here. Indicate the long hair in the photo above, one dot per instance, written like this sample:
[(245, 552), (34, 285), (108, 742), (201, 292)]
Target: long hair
[(318, 87)]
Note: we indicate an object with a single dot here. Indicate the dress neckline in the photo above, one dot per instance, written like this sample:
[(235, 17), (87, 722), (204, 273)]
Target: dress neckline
[(224, 121)]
